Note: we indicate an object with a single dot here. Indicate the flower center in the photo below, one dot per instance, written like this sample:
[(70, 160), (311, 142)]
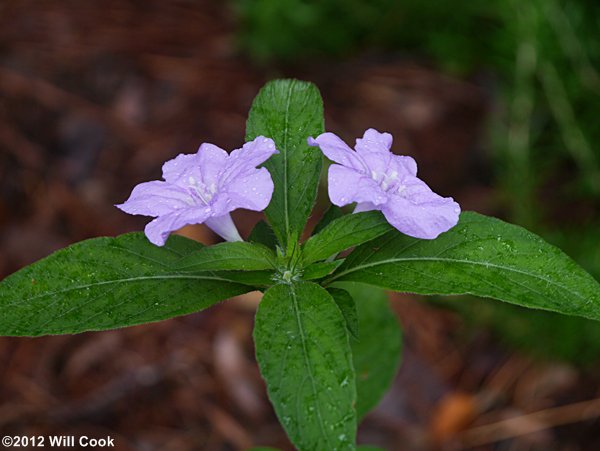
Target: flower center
[(201, 191), (387, 180)]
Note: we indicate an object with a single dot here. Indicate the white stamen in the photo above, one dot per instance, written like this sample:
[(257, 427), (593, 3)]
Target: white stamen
[(386, 180), (201, 191)]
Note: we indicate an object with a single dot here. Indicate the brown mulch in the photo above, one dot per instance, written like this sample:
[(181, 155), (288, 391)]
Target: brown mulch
[(94, 96)]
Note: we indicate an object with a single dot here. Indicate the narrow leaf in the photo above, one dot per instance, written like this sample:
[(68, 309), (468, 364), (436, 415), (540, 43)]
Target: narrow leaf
[(320, 269), (482, 256), (333, 212), (263, 234), (289, 111), (255, 279), (376, 353), (303, 352), (105, 283), (343, 233), (347, 306), (229, 256)]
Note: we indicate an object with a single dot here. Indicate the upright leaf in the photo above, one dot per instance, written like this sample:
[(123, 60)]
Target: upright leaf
[(303, 352), (343, 233), (333, 212), (289, 111), (262, 233), (481, 256), (105, 283), (376, 352)]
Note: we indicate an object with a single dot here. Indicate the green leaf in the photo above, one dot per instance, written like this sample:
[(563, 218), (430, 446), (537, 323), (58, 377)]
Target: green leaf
[(289, 111), (376, 353), (333, 212), (263, 234), (255, 279), (105, 283), (303, 352), (238, 255), (347, 306), (343, 233), (320, 269), (481, 256)]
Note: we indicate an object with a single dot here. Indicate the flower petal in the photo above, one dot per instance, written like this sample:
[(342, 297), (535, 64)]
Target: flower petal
[(338, 151), (156, 198), (252, 192), (243, 161), (179, 168), (365, 206), (374, 141), (347, 185), (378, 163), (419, 212), (158, 230), (211, 161), (405, 165), (224, 227), (374, 147)]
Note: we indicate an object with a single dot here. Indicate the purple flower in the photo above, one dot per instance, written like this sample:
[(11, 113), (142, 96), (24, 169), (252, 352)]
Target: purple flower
[(204, 188), (376, 179)]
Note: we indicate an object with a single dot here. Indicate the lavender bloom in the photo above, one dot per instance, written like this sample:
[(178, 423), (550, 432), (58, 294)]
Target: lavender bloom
[(204, 188), (376, 179)]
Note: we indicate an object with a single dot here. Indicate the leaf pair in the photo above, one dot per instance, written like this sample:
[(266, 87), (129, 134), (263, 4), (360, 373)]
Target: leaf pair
[(308, 340)]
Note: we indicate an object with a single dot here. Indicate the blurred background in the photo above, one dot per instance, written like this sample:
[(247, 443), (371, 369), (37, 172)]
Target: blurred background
[(497, 101)]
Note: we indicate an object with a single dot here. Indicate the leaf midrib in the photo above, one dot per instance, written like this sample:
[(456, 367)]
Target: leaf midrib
[(306, 359), (129, 279), (453, 260), (285, 161), (265, 264)]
